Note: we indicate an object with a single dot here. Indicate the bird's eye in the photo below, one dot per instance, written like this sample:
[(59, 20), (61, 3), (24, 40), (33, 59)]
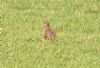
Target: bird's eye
[(44, 22)]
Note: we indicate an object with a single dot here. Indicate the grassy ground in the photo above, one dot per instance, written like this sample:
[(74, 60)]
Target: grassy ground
[(76, 22)]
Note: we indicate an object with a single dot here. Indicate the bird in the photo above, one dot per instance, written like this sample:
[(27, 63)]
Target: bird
[(48, 33)]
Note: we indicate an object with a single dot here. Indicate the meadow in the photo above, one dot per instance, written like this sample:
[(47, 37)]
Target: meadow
[(76, 23)]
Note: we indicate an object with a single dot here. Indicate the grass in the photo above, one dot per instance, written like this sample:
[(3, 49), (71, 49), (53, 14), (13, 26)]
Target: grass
[(76, 22)]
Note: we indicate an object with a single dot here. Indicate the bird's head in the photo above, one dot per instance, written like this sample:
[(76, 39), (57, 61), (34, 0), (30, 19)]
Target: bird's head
[(46, 23)]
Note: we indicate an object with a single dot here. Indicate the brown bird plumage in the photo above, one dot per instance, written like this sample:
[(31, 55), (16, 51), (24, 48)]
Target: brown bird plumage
[(48, 33)]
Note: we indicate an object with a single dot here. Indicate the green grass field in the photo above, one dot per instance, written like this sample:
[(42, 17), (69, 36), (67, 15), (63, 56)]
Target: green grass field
[(76, 23)]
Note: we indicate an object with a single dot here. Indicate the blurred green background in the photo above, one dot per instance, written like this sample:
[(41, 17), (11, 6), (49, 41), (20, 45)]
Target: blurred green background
[(76, 23)]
